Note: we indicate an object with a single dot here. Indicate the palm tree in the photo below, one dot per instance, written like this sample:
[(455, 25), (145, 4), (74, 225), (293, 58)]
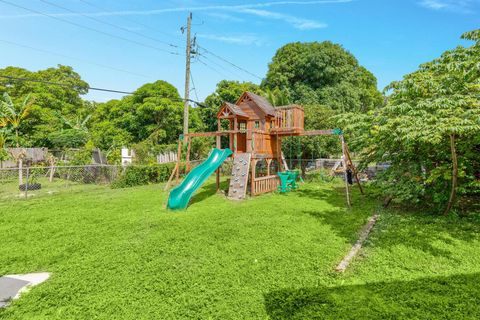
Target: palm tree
[(277, 97), (79, 123), (14, 114)]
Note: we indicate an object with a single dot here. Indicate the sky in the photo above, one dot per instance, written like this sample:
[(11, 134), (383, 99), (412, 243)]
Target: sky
[(120, 44)]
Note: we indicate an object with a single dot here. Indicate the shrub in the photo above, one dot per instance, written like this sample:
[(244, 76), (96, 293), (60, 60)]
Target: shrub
[(142, 175)]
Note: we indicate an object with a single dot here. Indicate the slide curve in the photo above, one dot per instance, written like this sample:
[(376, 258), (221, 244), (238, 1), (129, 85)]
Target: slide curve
[(180, 196)]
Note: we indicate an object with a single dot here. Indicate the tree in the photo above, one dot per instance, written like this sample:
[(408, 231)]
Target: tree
[(14, 114), (325, 74), (49, 99), (153, 114), (429, 130)]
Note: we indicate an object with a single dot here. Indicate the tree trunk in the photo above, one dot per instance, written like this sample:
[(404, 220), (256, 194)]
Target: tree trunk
[(453, 192)]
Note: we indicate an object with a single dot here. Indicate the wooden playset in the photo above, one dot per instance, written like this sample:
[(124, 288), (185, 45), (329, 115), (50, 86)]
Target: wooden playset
[(255, 130)]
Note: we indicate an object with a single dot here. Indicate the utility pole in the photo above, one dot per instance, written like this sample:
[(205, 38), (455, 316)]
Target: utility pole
[(187, 75)]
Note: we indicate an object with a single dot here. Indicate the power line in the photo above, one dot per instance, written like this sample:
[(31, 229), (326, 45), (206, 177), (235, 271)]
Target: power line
[(109, 24), (212, 68), (229, 62), (63, 84), (220, 66), (89, 88), (193, 85), (78, 59), (89, 28), (128, 19)]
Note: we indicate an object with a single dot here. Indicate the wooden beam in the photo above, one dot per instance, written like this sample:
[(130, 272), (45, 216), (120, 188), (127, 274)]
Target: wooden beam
[(187, 165), (317, 133), (354, 169), (344, 162), (179, 157), (343, 265)]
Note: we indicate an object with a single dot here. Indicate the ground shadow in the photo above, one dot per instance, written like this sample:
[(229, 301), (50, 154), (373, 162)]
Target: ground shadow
[(452, 297), (413, 229), (208, 190)]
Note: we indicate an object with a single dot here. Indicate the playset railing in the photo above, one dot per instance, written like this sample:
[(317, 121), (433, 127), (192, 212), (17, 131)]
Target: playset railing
[(265, 185), (289, 118)]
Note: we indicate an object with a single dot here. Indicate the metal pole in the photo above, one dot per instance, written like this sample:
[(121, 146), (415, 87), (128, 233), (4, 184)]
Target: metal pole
[(187, 77)]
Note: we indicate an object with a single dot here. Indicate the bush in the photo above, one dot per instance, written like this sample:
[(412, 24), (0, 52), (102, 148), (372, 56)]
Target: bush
[(142, 175)]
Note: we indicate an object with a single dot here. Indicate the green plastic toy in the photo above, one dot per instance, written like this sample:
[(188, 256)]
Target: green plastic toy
[(181, 195), (288, 180)]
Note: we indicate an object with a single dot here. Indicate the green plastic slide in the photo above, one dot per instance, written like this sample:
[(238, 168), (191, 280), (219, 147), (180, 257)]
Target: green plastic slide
[(180, 196)]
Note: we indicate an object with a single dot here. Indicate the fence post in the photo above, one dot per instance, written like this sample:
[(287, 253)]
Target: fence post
[(26, 183)]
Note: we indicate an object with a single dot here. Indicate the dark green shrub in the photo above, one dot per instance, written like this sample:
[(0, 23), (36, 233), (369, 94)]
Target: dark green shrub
[(142, 175)]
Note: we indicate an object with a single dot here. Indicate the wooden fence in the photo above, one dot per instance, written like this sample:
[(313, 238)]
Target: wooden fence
[(265, 185)]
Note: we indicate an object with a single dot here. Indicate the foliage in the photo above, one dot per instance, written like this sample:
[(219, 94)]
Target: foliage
[(432, 115), (142, 175), (13, 115), (48, 100), (154, 113), (317, 117), (226, 91), (69, 138), (323, 73)]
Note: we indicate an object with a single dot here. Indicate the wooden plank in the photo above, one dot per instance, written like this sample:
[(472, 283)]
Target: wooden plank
[(317, 132), (343, 265)]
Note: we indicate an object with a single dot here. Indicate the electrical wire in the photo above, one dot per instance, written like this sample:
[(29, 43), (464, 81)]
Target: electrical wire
[(212, 68), (78, 59), (131, 20), (108, 23), (193, 85), (220, 66), (89, 28), (90, 88), (229, 62)]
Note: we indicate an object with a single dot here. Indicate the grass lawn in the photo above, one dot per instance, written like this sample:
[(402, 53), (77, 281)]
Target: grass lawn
[(118, 254)]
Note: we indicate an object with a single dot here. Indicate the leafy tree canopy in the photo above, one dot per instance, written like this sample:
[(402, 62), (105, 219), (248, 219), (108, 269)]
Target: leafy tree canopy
[(323, 73), (431, 120), (154, 113), (48, 100)]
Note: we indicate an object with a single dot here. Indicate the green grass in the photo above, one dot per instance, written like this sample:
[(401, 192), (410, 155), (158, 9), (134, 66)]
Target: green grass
[(118, 254)]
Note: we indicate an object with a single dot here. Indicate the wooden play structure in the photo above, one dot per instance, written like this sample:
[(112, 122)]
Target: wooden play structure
[(255, 129)]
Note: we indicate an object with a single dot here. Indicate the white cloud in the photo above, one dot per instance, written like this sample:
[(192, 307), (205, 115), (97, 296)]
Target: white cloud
[(225, 17), (458, 6), (233, 39), (253, 9), (298, 23)]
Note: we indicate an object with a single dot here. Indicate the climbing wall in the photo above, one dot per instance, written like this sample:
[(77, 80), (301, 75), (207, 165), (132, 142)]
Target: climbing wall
[(239, 177)]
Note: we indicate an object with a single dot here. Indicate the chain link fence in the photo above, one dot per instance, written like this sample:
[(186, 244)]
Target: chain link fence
[(30, 182), (35, 181)]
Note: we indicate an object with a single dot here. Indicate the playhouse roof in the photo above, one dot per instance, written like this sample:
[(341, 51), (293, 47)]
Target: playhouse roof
[(261, 102), (236, 110)]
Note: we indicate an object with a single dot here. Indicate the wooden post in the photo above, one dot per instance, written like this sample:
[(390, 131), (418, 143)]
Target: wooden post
[(354, 169), (187, 164), (252, 182), (269, 161), (344, 162), (219, 146), (179, 157), (235, 135), (171, 177), (279, 153)]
